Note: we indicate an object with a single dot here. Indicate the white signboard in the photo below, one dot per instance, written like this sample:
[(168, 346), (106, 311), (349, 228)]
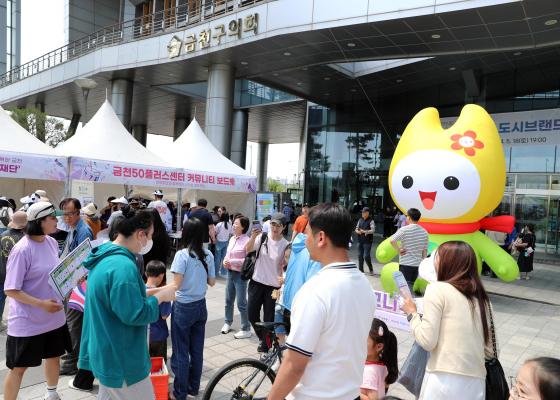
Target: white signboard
[(66, 275), (526, 128), (83, 191)]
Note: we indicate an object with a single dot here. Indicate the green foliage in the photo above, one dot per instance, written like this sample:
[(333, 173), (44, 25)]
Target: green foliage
[(49, 130), (275, 186)]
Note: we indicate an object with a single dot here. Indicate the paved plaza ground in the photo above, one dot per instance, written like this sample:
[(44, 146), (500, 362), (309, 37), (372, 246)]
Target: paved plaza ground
[(527, 319)]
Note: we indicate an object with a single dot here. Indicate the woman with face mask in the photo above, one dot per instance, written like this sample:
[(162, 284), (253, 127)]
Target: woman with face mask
[(117, 311)]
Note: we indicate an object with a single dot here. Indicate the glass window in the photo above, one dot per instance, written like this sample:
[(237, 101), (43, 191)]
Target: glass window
[(532, 181), (532, 158)]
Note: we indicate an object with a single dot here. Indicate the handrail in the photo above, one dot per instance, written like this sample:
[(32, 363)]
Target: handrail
[(150, 25)]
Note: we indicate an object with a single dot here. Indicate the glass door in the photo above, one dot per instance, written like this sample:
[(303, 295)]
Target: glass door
[(531, 209), (553, 234)]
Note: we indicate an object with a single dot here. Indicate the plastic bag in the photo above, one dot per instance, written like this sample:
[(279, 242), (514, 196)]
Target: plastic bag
[(413, 369)]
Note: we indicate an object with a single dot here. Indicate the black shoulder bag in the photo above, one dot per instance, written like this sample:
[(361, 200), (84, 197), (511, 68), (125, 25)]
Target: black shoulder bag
[(248, 267), (496, 384)]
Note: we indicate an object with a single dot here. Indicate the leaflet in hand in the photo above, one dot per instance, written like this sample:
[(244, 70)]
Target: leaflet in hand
[(66, 275), (401, 283)]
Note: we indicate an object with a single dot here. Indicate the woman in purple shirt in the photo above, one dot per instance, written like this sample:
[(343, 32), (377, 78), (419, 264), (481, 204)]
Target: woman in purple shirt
[(236, 288), (37, 327)]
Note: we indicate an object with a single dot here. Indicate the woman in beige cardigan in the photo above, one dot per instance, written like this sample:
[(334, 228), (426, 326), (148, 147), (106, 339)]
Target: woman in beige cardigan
[(454, 327)]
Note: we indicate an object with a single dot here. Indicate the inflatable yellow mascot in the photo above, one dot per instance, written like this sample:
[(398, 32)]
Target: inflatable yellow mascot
[(455, 177)]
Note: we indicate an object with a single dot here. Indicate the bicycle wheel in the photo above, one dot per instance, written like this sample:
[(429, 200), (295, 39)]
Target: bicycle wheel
[(242, 379)]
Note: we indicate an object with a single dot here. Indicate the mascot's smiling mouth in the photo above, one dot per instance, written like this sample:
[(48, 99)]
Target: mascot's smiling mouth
[(428, 199)]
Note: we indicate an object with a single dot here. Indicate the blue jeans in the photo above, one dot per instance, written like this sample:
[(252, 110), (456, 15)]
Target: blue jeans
[(221, 249), (188, 321), (236, 289)]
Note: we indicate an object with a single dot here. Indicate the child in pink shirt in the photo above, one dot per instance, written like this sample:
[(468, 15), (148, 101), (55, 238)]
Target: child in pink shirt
[(381, 367)]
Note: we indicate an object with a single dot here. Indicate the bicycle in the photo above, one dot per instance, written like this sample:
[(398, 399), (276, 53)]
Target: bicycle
[(247, 378)]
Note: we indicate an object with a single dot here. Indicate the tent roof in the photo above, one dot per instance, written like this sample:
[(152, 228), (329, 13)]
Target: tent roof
[(18, 140), (105, 138), (194, 151)]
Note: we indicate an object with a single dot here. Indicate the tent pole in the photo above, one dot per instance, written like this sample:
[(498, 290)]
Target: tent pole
[(68, 180), (179, 209)]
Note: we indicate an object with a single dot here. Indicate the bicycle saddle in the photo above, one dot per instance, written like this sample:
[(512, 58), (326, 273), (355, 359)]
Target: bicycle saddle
[(269, 326)]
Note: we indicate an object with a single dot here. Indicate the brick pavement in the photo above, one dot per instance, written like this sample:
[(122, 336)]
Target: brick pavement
[(525, 328)]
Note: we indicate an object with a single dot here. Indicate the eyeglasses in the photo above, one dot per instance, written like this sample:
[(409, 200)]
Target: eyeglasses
[(69, 214)]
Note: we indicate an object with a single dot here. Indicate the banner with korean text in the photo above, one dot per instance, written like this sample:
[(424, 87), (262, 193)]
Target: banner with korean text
[(28, 166), (524, 128), (133, 174), (387, 310), (220, 182)]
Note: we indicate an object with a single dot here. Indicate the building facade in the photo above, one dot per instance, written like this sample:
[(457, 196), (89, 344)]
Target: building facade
[(341, 81), (10, 34)]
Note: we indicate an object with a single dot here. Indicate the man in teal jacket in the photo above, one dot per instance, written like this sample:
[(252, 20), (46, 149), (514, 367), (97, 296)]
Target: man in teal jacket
[(117, 312)]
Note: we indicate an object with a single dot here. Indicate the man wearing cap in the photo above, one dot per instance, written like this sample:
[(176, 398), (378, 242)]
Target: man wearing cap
[(117, 205), (79, 231), (91, 218), (8, 239), (364, 230), (301, 221), (162, 209)]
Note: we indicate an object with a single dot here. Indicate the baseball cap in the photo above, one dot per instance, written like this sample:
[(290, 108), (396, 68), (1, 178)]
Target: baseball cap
[(121, 200), (158, 193), (365, 209), (19, 220), (278, 218), (4, 202), (40, 210), (90, 209), (31, 199)]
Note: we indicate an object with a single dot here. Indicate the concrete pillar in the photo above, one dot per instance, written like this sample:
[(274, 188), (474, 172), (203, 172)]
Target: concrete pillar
[(121, 100), (140, 133), (73, 125), (239, 137), (219, 106), (262, 164), (179, 127)]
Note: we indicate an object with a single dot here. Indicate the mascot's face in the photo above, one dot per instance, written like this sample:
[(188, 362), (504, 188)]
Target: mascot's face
[(451, 175), (446, 193)]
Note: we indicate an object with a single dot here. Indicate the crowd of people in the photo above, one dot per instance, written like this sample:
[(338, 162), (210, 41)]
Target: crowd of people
[(307, 283)]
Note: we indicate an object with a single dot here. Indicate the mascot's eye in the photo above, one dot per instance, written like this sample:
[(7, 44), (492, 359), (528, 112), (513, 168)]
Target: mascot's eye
[(451, 183), (407, 182)]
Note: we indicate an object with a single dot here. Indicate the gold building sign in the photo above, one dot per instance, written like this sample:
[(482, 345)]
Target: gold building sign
[(212, 37)]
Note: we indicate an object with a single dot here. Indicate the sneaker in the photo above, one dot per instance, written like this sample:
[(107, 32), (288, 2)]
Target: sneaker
[(243, 335), (527, 277), (71, 386), (226, 328), (51, 396)]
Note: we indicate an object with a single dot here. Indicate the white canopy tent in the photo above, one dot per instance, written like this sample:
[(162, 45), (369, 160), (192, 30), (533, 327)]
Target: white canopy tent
[(105, 153), (27, 164), (210, 175)]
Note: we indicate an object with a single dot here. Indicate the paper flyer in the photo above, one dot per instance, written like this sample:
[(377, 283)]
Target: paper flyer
[(66, 275)]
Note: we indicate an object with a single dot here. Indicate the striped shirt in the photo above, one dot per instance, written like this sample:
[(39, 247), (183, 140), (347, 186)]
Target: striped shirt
[(414, 240)]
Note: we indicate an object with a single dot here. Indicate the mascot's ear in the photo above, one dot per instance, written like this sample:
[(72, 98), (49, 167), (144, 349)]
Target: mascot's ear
[(425, 123)]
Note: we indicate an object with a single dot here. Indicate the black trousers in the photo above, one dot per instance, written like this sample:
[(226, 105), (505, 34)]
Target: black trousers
[(260, 296), (410, 273), (364, 253), (69, 361)]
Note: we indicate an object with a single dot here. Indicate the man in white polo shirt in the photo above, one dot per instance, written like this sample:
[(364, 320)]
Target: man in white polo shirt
[(331, 317)]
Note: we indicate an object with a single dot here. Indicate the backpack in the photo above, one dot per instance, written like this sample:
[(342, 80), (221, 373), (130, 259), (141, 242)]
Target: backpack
[(4, 216)]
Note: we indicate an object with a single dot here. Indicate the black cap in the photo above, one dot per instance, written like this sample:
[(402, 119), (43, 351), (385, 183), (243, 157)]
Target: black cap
[(365, 209)]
